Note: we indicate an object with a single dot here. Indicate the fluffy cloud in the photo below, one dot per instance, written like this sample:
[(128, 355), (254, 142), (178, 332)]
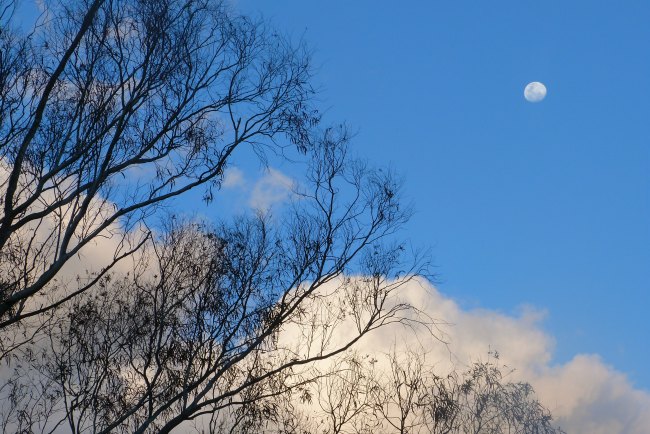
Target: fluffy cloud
[(588, 396), (585, 395), (270, 188), (233, 178), (274, 187)]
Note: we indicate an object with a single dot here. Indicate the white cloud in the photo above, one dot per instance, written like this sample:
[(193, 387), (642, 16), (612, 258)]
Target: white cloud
[(233, 178), (588, 396), (39, 238), (585, 395), (274, 187)]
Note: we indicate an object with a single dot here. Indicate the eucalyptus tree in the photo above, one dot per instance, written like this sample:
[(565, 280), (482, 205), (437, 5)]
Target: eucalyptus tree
[(110, 108), (111, 321), (220, 325), (401, 393)]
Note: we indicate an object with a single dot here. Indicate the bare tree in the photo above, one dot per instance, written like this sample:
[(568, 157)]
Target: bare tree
[(401, 393), (399, 399), (479, 400), (218, 325), (109, 109), (345, 396)]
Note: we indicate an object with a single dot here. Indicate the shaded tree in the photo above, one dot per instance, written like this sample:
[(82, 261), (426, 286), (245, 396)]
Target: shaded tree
[(219, 325), (401, 393), (111, 108), (481, 399)]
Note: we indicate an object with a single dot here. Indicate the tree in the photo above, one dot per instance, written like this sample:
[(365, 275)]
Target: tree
[(110, 109), (198, 328), (101, 91), (403, 394), (480, 400)]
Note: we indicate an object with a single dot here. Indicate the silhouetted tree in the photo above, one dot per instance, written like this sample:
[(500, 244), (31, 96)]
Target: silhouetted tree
[(109, 109), (401, 393), (218, 325)]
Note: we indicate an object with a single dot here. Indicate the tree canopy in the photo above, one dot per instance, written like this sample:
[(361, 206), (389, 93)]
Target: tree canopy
[(116, 314)]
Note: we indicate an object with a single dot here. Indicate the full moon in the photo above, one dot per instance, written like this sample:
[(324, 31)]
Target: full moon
[(535, 91)]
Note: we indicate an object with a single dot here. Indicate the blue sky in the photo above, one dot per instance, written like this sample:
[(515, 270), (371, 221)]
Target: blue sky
[(542, 204)]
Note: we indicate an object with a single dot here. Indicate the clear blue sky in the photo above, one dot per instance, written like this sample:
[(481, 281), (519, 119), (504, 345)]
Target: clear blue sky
[(545, 204)]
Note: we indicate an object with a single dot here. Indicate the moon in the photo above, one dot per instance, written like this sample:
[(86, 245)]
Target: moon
[(535, 91)]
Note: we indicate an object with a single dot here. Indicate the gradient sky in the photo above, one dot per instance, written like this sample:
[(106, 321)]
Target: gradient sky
[(542, 204)]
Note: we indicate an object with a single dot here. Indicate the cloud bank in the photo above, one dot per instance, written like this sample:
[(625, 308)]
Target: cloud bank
[(585, 395)]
